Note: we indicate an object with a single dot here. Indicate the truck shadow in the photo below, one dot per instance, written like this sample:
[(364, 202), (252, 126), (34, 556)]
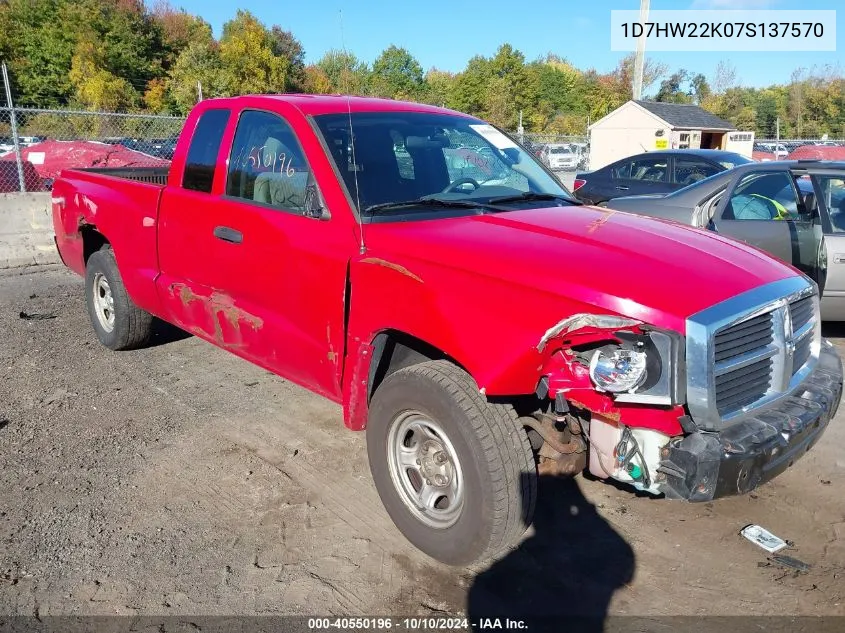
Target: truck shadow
[(165, 333), (562, 577)]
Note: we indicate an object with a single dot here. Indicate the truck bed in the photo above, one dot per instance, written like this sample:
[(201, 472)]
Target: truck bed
[(149, 175)]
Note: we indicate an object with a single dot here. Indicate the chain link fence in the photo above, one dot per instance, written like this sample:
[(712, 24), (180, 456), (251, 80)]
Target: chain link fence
[(806, 148), (36, 144)]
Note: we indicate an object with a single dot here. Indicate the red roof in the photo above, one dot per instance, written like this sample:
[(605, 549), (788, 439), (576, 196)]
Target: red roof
[(10, 178), (51, 157), (819, 152), (336, 104)]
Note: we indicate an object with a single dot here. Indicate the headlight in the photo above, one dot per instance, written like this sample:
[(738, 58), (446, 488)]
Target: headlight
[(645, 368), (616, 369)]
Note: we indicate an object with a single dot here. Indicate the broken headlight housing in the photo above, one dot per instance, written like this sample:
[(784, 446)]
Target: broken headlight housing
[(644, 368)]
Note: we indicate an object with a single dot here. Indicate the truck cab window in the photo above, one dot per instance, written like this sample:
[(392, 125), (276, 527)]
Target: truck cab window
[(267, 164), (202, 154)]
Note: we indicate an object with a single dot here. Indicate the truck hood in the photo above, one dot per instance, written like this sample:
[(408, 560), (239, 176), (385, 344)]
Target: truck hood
[(654, 270)]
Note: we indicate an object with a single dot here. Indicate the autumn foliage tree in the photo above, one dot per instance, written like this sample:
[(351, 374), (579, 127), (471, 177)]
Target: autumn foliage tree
[(126, 55)]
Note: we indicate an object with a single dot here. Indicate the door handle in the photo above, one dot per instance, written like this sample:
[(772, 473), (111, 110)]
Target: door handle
[(839, 258), (228, 235), (623, 188)]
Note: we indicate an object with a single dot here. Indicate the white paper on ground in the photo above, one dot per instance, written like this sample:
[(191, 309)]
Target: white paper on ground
[(762, 537)]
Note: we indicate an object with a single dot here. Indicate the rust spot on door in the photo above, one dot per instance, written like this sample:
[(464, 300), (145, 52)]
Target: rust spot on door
[(221, 308), (392, 265), (332, 355)]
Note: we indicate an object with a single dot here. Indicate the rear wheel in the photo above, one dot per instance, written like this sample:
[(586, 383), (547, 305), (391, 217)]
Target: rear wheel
[(455, 473), (118, 323)]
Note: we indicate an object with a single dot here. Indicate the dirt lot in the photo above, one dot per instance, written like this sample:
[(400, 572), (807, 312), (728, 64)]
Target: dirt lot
[(182, 480)]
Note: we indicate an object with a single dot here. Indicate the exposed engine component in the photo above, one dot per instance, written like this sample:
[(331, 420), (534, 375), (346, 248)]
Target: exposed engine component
[(564, 449)]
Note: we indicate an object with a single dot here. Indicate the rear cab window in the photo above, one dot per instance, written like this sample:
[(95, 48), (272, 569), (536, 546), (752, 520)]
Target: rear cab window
[(202, 152)]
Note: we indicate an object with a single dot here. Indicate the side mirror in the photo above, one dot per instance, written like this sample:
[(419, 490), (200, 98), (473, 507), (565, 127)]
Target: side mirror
[(314, 206)]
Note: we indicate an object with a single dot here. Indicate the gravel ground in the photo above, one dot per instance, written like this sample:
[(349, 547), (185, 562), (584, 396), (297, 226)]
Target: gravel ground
[(180, 479)]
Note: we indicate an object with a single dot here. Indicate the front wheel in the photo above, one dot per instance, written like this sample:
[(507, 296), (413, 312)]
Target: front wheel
[(455, 473)]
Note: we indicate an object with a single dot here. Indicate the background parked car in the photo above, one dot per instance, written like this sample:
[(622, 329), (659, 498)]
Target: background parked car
[(653, 172), (795, 210), (777, 150), (560, 156)]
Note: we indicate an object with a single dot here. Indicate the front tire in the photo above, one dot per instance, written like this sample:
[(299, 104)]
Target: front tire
[(455, 473), (118, 323)]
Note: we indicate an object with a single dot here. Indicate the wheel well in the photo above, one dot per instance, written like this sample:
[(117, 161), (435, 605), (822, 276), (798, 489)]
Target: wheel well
[(394, 350), (92, 241)]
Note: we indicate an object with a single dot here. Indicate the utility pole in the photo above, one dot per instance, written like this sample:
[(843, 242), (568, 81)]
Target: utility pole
[(639, 60), (199, 91), (14, 125), (777, 136)]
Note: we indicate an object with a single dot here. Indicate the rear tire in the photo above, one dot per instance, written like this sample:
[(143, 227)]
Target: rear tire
[(118, 323), (472, 493)]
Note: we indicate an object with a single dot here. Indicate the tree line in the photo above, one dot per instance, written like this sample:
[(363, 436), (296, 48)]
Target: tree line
[(125, 56)]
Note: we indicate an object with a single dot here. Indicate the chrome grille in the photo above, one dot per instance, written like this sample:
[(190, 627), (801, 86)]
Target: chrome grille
[(802, 318), (744, 386), (743, 338), (800, 312), (802, 353), (743, 355), (751, 350)]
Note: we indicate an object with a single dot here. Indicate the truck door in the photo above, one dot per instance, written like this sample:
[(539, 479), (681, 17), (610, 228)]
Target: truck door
[(257, 266), (763, 208)]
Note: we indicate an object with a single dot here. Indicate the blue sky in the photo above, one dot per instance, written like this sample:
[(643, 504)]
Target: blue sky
[(446, 33)]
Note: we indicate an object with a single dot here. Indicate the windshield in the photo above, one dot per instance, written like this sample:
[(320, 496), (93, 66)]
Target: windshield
[(400, 157), (730, 162), (560, 150)]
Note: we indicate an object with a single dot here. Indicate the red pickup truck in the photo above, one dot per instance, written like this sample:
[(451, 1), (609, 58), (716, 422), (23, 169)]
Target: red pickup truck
[(423, 269)]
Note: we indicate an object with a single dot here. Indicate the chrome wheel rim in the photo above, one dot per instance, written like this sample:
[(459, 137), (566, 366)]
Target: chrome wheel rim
[(103, 302), (425, 469)]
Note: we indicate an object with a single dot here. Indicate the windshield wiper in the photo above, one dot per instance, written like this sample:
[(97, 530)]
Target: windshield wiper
[(531, 195), (430, 202)]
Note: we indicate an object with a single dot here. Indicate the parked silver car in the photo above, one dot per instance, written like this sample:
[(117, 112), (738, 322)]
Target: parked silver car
[(795, 210)]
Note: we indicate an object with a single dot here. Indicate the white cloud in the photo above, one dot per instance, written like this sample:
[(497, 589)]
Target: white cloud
[(732, 4)]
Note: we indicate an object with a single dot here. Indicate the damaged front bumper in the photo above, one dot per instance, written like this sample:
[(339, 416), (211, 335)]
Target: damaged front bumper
[(703, 466)]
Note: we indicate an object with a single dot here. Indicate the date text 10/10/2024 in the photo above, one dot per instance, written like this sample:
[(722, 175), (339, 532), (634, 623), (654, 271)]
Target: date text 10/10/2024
[(414, 624)]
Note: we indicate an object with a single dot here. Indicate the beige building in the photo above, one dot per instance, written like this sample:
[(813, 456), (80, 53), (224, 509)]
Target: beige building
[(645, 126)]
